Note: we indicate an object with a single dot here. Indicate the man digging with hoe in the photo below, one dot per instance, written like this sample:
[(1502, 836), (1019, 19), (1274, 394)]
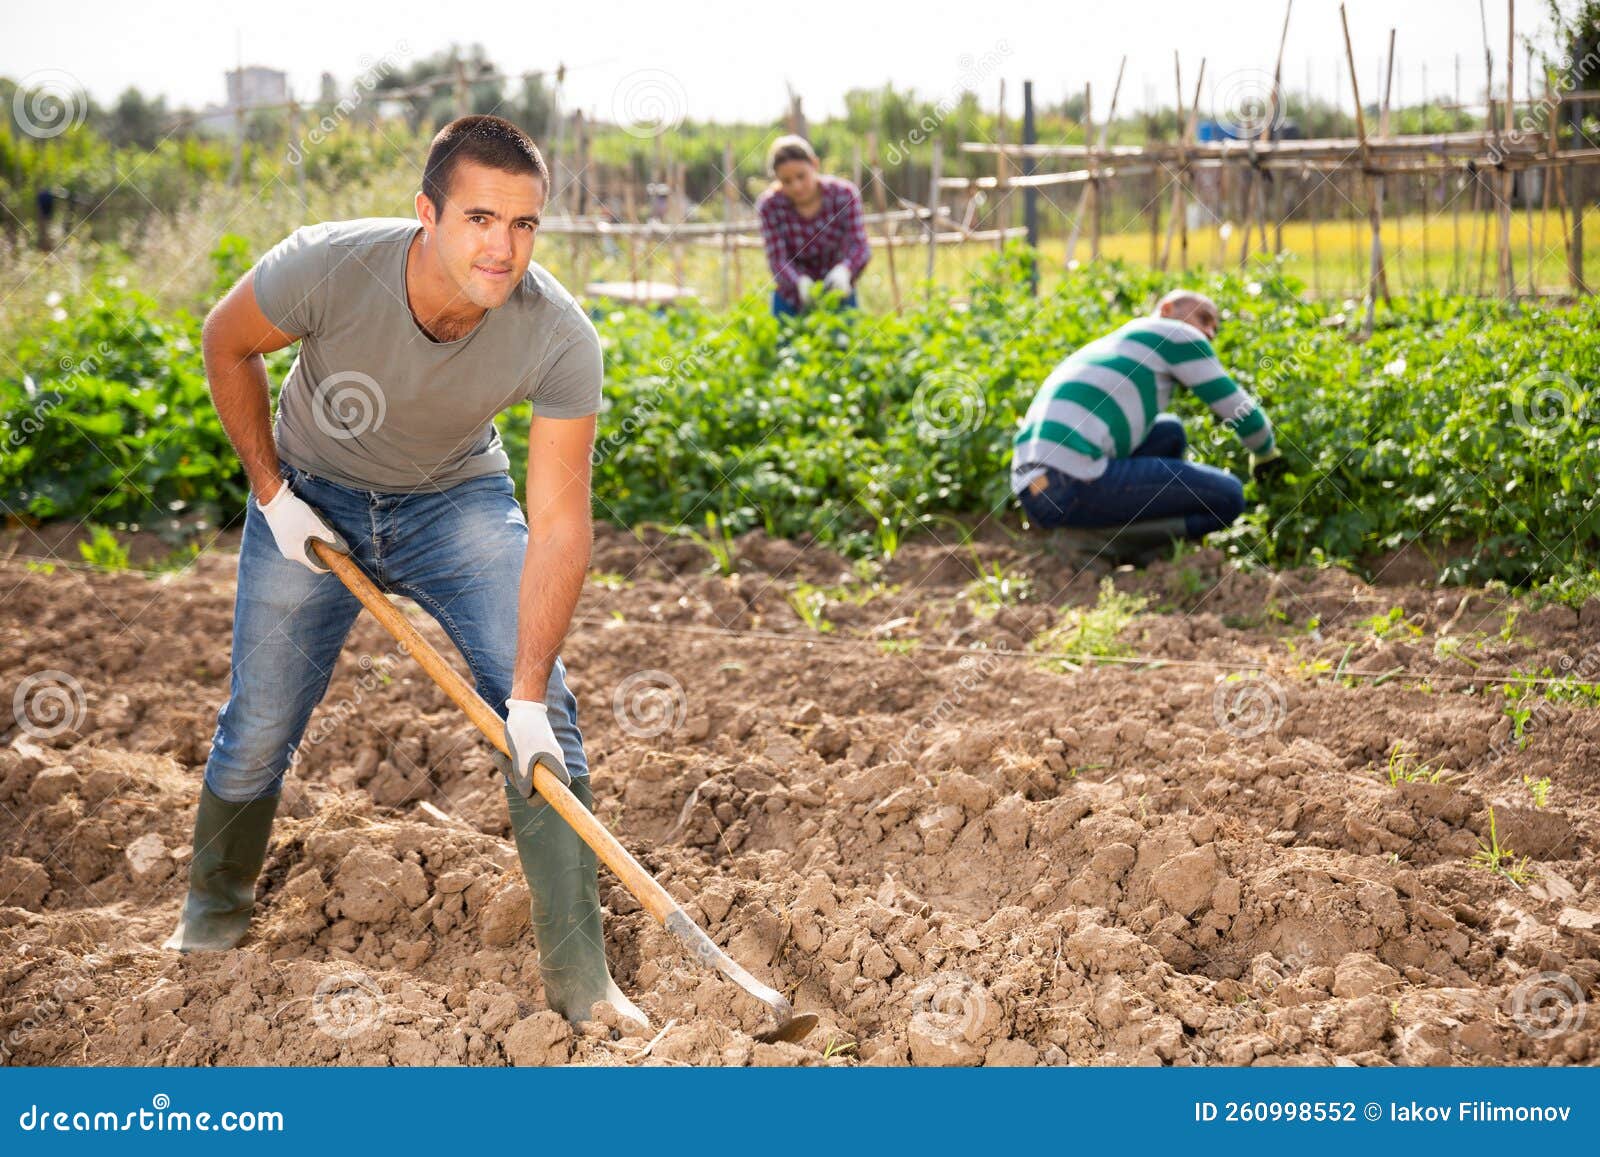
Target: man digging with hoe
[(414, 335)]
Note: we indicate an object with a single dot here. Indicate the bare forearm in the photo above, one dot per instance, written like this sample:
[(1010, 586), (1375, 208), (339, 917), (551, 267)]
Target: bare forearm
[(239, 390), (553, 571)]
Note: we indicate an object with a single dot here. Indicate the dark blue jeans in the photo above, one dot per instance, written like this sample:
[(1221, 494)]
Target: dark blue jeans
[(1152, 482), (781, 308)]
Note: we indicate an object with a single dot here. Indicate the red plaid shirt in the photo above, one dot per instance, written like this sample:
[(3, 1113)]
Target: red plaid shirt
[(797, 246)]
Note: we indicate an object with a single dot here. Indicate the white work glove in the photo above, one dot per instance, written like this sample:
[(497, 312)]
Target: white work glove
[(294, 524), (838, 278), (531, 740), (805, 285)]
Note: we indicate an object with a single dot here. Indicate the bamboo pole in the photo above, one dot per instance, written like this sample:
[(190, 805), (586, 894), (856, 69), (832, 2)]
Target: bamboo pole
[(1455, 209), (883, 207), (677, 208), (1083, 198), (1427, 268), (1527, 199), (1154, 206), (1383, 131), (1316, 256), (1502, 186), (633, 237), (1558, 172), (1093, 194), (1508, 274), (1000, 173), (935, 170), (1374, 205), (1193, 129), (729, 253), (1247, 201), (580, 154), (1177, 189), (1266, 130)]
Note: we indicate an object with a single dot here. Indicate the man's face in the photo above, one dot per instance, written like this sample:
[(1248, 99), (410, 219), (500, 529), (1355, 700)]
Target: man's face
[(799, 180), (1198, 314), (485, 230)]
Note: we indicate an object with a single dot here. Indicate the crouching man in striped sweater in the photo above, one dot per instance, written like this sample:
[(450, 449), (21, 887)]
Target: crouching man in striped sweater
[(1097, 455)]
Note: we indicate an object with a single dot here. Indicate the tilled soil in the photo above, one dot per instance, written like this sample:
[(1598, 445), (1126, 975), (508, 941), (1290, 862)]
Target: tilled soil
[(1202, 850)]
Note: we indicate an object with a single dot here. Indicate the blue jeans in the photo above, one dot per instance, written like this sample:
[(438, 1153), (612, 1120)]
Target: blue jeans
[(781, 308), (458, 553), (1152, 482)]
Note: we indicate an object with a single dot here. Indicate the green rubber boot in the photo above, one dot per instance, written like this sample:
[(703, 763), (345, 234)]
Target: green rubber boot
[(1139, 543), (230, 845), (563, 879)]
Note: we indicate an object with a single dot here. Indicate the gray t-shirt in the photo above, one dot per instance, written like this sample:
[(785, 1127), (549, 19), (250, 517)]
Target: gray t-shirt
[(371, 401)]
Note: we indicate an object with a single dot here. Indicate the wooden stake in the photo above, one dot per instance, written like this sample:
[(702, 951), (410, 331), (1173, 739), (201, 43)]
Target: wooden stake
[(1188, 117), (1455, 209), (883, 210), (1266, 135), (1183, 149), (1544, 184), (633, 237), (677, 206), (728, 251), (1000, 175), (1388, 86), (1088, 188), (935, 170), (1316, 256), (1374, 205), (1093, 194), (1508, 281)]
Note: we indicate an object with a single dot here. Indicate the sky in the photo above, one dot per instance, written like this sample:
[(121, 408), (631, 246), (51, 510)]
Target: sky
[(724, 60)]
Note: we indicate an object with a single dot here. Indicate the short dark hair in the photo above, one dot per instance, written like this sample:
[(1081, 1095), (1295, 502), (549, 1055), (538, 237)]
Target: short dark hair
[(484, 140)]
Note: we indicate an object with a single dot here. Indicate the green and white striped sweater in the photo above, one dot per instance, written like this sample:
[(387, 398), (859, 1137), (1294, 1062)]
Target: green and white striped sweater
[(1100, 402)]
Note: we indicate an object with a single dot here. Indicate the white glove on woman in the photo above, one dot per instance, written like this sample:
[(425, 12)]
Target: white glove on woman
[(805, 285), (838, 278), (531, 740), (294, 524)]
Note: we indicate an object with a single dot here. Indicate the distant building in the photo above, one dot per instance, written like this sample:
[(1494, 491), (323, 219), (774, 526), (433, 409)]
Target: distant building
[(247, 88)]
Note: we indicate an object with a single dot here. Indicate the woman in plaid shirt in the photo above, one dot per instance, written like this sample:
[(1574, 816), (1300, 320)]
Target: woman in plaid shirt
[(812, 227)]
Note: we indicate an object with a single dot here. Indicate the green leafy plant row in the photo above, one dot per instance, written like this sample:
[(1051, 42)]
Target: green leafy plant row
[(1466, 428)]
